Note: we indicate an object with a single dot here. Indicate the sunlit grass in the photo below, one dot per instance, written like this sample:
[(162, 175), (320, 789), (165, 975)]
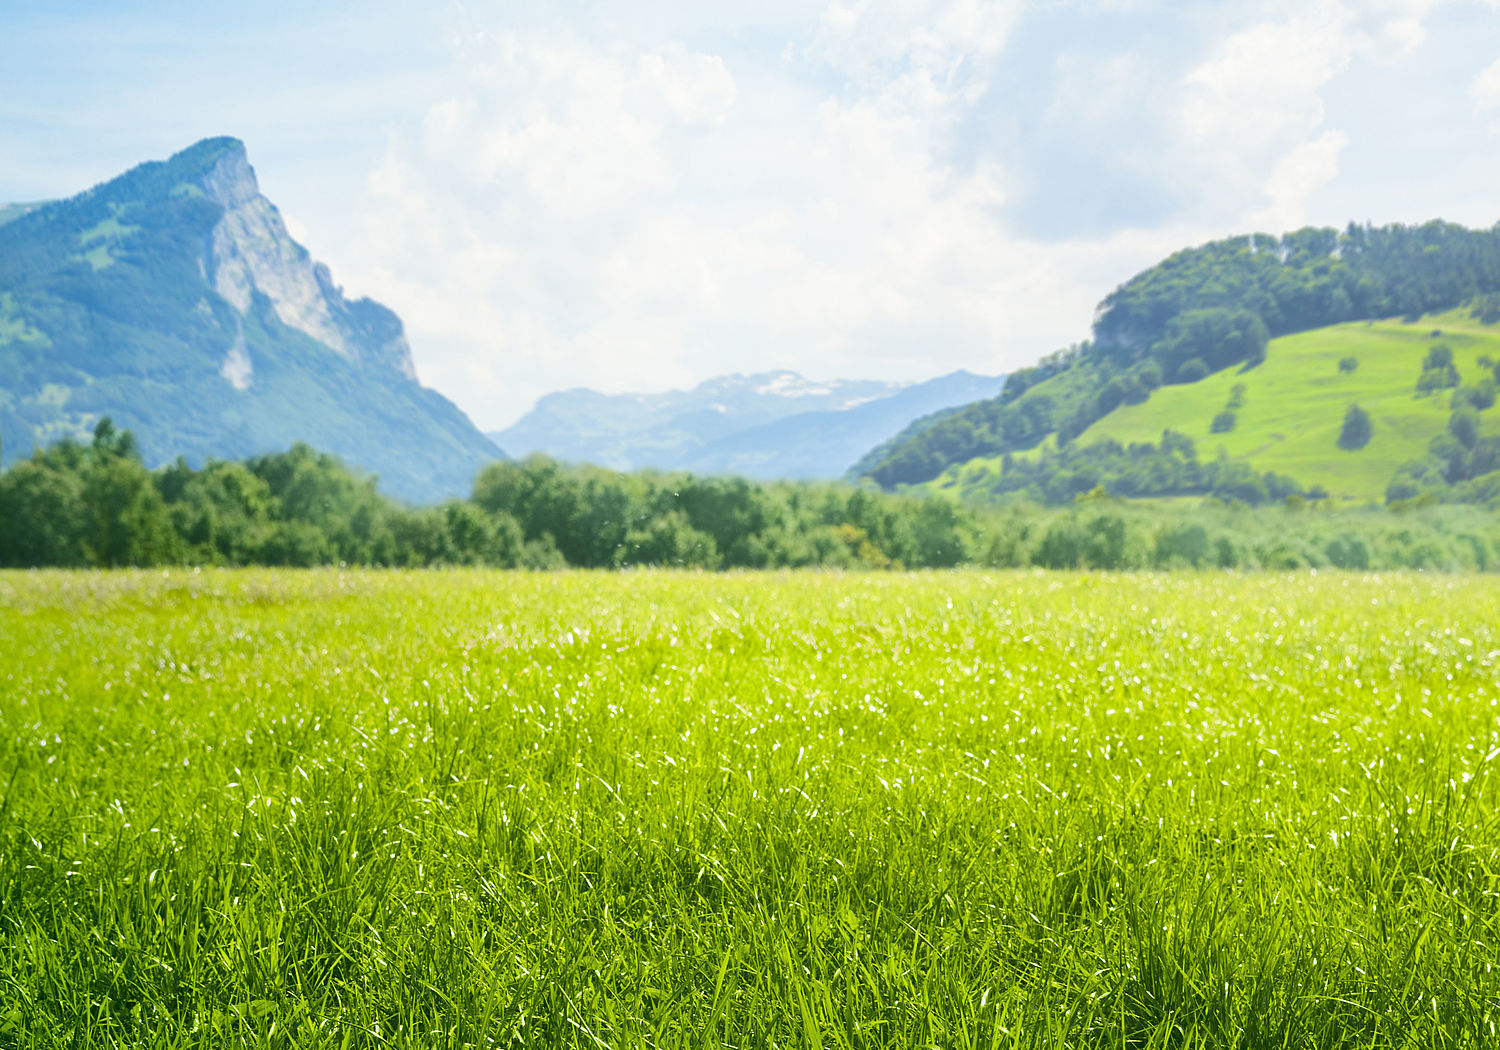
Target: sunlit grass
[(1294, 405), (651, 809)]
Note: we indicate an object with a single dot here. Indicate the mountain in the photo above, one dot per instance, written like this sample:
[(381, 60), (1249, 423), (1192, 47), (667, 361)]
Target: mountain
[(173, 300), (1252, 351), (825, 444), (767, 425)]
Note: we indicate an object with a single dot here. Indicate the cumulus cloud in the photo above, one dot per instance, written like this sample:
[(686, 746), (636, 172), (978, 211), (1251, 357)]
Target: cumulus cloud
[(573, 212), (1252, 113), (633, 214), (1485, 92)]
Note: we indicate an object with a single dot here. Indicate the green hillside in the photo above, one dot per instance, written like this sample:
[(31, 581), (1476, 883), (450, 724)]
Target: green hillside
[(1293, 405), (1227, 370)]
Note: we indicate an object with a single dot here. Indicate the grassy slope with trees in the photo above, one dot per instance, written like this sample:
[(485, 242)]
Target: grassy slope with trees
[(1291, 408), (1204, 314)]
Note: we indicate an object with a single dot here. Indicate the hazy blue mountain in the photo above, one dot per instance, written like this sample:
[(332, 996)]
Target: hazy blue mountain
[(173, 300), (826, 444), (769, 425), (15, 211)]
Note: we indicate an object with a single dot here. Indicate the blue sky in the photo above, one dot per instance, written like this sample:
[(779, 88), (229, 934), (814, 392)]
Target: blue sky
[(639, 196)]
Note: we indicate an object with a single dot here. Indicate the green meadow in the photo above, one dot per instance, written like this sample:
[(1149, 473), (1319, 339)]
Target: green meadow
[(1294, 402), (664, 809)]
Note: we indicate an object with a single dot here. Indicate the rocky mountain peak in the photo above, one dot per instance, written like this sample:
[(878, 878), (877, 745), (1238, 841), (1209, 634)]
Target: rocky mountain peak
[(229, 180), (172, 299), (249, 252)]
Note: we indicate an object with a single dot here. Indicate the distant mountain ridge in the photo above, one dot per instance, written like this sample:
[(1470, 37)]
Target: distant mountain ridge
[(767, 425), (172, 299)]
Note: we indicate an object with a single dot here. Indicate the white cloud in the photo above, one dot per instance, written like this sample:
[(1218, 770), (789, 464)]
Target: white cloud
[(1300, 173), (577, 214), (633, 215), (1252, 114), (1485, 91)]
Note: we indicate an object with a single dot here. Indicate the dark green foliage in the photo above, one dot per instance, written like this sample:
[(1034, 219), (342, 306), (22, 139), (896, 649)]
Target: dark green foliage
[(1348, 364), (1216, 338), (1308, 279), (1224, 422), (1486, 308), (1479, 397), (80, 505), (1464, 426), (1461, 466), (1192, 370), (1236, 397), (1171, 468), (1357, 429), (1218, 305), (98, 505)]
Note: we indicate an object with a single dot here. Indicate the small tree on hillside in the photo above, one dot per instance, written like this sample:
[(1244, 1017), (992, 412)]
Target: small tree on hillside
[(1191, 370), (1357, 430), (1464, 425), (1348, 364)]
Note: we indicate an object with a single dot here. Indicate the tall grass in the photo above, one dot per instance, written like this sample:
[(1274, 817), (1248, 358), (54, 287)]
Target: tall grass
[(670, 810)]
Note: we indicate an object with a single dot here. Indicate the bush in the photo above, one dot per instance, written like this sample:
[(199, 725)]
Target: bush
[(1443, 377), (1348, 364), (1223, 422), (1464, 426), (1440, 356), (1357, 429), (1478, 397), (1192, 370)]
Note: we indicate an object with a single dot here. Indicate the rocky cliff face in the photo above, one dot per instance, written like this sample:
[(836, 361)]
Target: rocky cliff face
[(173, 299), (250, 251)]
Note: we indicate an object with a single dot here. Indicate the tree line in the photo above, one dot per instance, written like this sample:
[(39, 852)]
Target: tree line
[(97, 505)]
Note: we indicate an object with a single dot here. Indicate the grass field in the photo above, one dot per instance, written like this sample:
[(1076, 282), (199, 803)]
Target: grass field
[(1295, 402), (653, 810)]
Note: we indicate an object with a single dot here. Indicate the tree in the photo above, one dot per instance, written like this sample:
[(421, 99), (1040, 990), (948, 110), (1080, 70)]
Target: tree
[(1357, 429), (1192, 370), (1480, 396), (1464, 426), (42, 517), (1223, 422), (1348, 364)]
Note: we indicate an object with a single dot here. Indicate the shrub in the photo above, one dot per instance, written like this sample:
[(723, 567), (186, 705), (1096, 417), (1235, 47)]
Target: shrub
[(1440, 377), (1192, 370), (1348, 364), (1464, 426), (1357, 429), (1223, 422), (1478, 397)]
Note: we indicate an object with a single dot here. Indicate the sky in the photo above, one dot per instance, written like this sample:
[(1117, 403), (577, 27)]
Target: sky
[(636, 197)]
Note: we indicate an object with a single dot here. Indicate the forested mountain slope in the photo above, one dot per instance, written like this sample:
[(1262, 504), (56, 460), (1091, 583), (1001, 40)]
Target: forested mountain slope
[(1288, 416), (173, 300), (1212, 312)]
